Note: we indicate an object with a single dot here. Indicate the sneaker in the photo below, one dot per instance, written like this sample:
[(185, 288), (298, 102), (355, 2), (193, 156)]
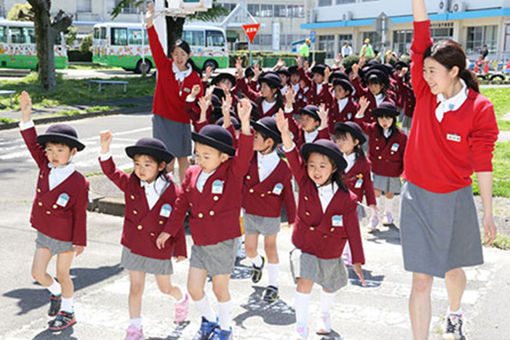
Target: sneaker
[(181, 310), (133, 333), (374, 222), (62, 321), (453, 328), (324, 325), (271, 294), (256, 273), (301, 332), (221, 334), (206, 328), (55, 303), (388, 218)]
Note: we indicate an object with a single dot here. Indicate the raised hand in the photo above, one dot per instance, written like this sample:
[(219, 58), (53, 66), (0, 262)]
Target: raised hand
[(208, 73), (149, 15), (362, 61), (195, 90), (323, 115), (226, 105), (299, 61), (327, 73), (257, 71), (289, 96), (283, 125), (105, 139), (25, 105), (355, 71), (244, 108), (209, 93), (203, 103)]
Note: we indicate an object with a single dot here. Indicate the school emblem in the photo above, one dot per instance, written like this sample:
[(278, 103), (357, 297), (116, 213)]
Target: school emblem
[(394, 147), (277, 190), (453, 137)]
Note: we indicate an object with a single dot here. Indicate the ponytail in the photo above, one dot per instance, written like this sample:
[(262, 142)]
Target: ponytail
[(279, 99), (470, 79), (194, 67)]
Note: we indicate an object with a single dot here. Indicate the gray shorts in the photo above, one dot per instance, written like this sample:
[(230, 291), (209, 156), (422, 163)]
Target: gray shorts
[(390, 185), (55, 246), (145, 264), (266, 226), (216, 259), (175, 135)]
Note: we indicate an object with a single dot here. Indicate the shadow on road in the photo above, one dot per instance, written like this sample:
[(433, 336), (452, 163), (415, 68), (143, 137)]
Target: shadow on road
[(371, 281), (176, 333), (66, 334), (391, 235)]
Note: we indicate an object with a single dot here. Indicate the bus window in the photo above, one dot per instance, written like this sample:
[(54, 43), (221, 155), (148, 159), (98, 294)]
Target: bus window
[(119, 36), (96, 33), (3, 34), (30, 35), (135, 36), (103, 33), (193, 38), (215, 39), (17, 35)]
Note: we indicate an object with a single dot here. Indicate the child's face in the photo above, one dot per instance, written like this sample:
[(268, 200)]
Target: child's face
[(259, 144), (307, 123), (180, 57), (146, 168), (266, 91), (346, 143), (340, 93), (385, 122), (318, 78), (294, 78), (226, 83), (375, 88), (284, 78), (319, 168), (59, 154), (209, 158)]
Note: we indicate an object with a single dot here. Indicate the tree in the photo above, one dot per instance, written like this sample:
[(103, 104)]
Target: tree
[(20, 12), (46, 30), (70, 35)]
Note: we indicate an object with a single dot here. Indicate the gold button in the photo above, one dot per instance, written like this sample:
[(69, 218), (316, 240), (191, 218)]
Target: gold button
[(262, 195), (325, 236), (187, 189), (161, 222), (152, 234), (200, 215), (139, 227), (54, 206), (215, 198), (38, 190), (392, 152), (251, 191), (132, 197), (311, 228), (380, 157), (332, 229), (269, 192), (307, 213), (39, 204), (40, 176), (135, 212), (211, 212), (48, 212), (248, 177), (190, 204), (377, 139), (306, 198), (377, 148)]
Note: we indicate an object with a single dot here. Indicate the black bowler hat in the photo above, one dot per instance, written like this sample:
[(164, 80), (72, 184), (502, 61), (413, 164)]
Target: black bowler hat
[(284, 71), (233, 121), (338, 75), (310, 110), (353, 128), (320, 68), (344, 83), (271, 78), (61, 133), (377, 76), (400, 65), (219, 93), (293, 70), (389, 68), (224, 75), (328, 148), (267, 125), (385, 109), (381, 67), (248, 72), (216, 137), (152, 147)]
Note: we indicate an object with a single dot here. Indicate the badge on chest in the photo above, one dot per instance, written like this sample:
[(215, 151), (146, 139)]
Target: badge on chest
[(217, 187), (337, 221), (395, 147), (165, 211), (453, 137), (278, 188), (359, 183), (62, 200)]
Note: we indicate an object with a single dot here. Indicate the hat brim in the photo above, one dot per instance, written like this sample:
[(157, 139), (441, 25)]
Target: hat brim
[(318, 70), (133, 150), (308, 113), (222, 147), (270, 82), (261, 127), (60, 138), (346, 86), (339, 127), (378, 112), (220, 77), (338, 159)]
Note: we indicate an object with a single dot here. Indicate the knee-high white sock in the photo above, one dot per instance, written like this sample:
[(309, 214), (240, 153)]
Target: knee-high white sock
[(205, 309), (326, 302), (225, 314), (67, 305), (389, 205), (136, 322), (273, 270), (55, 288), (301, 305), (380, 202), (347, 256), (256, 261)]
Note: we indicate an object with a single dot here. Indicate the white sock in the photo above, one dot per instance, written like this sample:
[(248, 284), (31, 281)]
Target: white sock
[(225, 314), (389, 205), (301, 306), (55, 288), (380, 201), (456, 312), (67, 305), (256, 261), (273, 270), (183, 292), (205, 309), (136, 322), (327, 300)]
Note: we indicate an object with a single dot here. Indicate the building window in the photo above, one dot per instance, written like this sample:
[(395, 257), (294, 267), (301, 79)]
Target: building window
[(280, 11), (266, 11), (254, 9), (402, 41), (327, 43), (324, 3), (341, 2), (119, 36), (130, 8), (479, 36), (83, 6), (441, 33), (342, 38)]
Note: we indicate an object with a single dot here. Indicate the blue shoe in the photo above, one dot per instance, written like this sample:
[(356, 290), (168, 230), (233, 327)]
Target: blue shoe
[(206, 329), (221, 334)]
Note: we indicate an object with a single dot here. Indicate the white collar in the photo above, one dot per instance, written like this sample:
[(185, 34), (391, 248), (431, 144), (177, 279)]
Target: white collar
[(310, 136), (342, 103), (181, 75), (350, 159), (387, 133), (379, 98), (451, 104), (319, 88), (266, 164), (158, 185), (326, 194), (266, 106), (59, 174)]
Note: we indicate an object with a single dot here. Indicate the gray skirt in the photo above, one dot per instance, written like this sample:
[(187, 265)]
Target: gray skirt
[(55, 246), (390, 185), (266, 226), (330, 274), (406, 122), (216, 259), (361, 212), (145, 264), (175, 135), (439, 232)]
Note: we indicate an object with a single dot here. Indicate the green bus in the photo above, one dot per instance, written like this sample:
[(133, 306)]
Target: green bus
[(18, 49), (122, 45)]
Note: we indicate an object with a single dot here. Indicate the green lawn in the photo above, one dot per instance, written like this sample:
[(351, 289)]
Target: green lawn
[(500, 98)]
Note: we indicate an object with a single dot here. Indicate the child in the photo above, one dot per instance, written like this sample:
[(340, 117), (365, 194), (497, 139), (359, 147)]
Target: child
[(342, 107), (406, 98), (386, 152), (319, 86), (150, 195), (266, 187), (326, 219), (59, 212), (213, 192)]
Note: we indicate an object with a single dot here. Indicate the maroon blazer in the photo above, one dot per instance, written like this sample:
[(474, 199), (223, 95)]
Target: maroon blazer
[(406, 98), (299, 134), (314, 98), (142, 225), (266, 198), (255, 97), (364, 92), (359, 181), (50, 215), (215, 211), (347, 114), (301, 98), (324, 234)]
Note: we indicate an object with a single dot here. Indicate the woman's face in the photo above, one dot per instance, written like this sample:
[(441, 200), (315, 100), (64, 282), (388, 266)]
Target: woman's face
[(439, 78), (319, 168), (180, 57)]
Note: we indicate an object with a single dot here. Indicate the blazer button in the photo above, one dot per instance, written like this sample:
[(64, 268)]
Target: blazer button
[(48, 212), (215, 198), (325, 236), (380, 157), (332, 229), (307, 213), (132, 197), (152, 234), (38, 190), (54, 206), (211, 212), (392, 152), (40, 176), (187, 189), (377, 139), (161, 222), (251, 191), (200, 215), (306, 198), (262, 195), (269, 192), (377, 148), (39, 204), (140, 227), (135, 212), (312, 228), (190, 204), (248, 177)]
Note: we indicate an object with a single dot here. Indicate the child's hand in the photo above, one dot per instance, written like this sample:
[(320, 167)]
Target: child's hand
[(364, 103), (208, 73), (323, 115), (313, 64), (299, 61), (195, 90), (359, 272), (327, 73), (283, 125), (362, 61), (209, 93), (403, 72), (244, 108), (355, 69), (203, 104), (289, 96), (180, 258), (149, 16), (25, 105), (105, 138), (257, 71), (161, 240), (306, 65), (226, 105), (78, 250)]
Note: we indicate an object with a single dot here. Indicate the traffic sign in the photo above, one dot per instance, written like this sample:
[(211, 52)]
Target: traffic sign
[(251, 31), (313, 36)]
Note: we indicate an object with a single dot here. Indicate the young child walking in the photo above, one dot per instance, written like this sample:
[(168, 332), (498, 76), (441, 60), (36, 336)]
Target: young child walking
[(212, 190), (326, 219), (59, 212), (266, 187), (150, 195)]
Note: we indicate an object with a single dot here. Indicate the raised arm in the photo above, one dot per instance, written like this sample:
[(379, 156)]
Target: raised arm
[(419, 10), (421, 42), (28, 130), (159, 56), (289, 147)]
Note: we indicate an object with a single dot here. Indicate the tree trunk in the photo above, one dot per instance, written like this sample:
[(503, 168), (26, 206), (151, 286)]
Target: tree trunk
[(174, 28)]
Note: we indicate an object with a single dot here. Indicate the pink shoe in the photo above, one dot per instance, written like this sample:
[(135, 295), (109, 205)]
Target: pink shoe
[(133, 333), (301, 332), (374, 222), (181, 310)]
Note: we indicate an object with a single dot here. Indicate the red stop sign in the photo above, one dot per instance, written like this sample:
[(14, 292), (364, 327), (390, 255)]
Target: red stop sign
[(251, 31)]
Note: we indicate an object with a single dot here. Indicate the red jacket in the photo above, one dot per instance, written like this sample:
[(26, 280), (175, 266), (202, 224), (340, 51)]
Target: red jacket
[(334, 116), (257, 98), (301, 98), (314, 231), (364, 92), (65, 223), (266, 198), (359, 181), (406, 98), (299, 134), (142, 225), (314, 98), (214, 217), (441, 156), (170, 96)]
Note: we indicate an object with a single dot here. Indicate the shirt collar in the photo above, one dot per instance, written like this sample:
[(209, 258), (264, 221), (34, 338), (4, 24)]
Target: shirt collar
[(270, 157), (181, 75), (157, 185), (451, 104), (68, 168)]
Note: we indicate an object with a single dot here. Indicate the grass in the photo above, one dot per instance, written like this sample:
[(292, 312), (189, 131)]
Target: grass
[(500, 98), (502, 242), (501, 164), (6, 120)]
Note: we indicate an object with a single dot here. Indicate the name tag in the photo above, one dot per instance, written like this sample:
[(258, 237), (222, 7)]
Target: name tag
[(349, 116), (359, 183), (337, 221), (453, 137), (165, 211), (187, 90), (394, 147), (217, 187), (63, 199), (300, 96), (277, 190)]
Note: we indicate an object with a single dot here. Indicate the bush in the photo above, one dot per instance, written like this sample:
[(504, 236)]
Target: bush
[(77, 55), (86, 44), (269, 59), (347, 62)]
